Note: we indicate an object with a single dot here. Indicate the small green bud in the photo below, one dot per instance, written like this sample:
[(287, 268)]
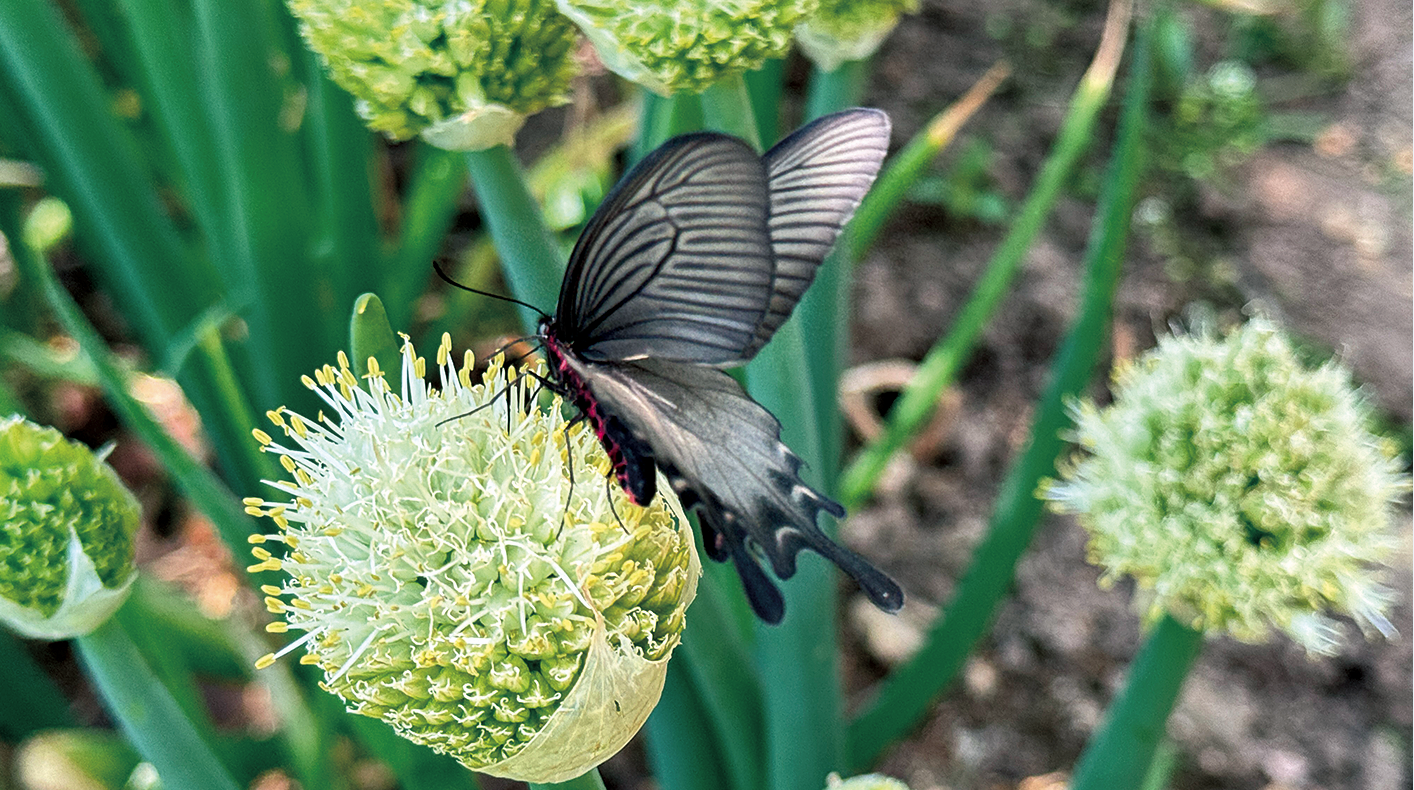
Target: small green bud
[(462, 73), (67, 522), (1241, 490), (844, 30), (450, 581), (686, 45)]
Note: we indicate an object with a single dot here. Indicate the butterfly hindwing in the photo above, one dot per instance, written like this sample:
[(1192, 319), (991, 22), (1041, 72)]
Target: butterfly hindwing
[(722, 453), (677, 262)]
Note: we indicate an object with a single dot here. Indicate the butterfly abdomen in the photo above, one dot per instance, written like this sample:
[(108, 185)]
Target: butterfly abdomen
[(632, 462)]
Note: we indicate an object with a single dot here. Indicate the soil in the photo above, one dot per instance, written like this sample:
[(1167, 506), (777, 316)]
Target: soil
[(1316, 235)]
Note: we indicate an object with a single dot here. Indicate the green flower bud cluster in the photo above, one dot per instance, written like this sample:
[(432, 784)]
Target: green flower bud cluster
[(66, 533), (844, 30), (669, 46), (463, 72), (1241, 490), (450, 581)]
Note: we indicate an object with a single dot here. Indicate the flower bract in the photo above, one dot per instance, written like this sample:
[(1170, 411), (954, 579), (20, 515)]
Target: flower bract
[(449, 580), (1241, 489)]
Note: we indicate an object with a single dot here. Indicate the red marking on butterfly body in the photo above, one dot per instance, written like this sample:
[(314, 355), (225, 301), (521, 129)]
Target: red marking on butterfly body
[(609, 438)]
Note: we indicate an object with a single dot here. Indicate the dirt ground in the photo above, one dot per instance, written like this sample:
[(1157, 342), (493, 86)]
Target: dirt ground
[(1317, 234)]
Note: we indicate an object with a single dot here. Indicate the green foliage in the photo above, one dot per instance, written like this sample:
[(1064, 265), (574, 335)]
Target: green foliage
[(966, 190)]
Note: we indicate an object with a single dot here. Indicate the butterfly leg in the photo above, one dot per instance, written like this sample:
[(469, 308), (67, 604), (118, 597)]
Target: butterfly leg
[(569, 468)]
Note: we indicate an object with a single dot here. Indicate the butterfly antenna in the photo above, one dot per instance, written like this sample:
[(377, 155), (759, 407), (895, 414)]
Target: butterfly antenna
[(437, 265)]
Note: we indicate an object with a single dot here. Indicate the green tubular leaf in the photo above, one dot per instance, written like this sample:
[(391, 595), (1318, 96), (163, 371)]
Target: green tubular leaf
[(909, 691), (267, 270), (531, 261), (1121, 753), (63, 110), (348, 247), (716, 659), (802, 701), (940, 366), (678, 754), (146, 712), (663, 118), (29, 698), (168, 667), (370, 335), (428, 208), (165, 67), (832, 91)]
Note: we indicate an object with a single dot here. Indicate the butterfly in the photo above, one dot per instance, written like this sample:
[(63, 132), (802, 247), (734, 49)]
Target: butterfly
[(693, 261)]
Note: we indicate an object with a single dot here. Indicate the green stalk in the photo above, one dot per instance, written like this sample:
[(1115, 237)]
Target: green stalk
[(726, 107), (587, 781), (147, 713), (168, 75), (531, 260), (908, 693), (1121, 753), (348, 249), (939, 368), (29, 698), (765, 86), (832, 91), (430, 204), (716, 659), (799, 659), (663, 118), (823, 311)]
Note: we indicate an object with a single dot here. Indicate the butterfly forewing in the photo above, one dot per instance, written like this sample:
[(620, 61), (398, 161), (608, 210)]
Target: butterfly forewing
[(817, 176), (677, 263)]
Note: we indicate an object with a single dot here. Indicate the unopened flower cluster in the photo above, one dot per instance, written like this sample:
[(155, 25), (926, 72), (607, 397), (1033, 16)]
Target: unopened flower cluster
[(687, 45), (66, 533), (1242, 490), (449, 580), (465, 72)]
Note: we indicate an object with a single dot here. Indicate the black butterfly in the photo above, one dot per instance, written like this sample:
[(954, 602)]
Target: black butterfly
[(693, 261)]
